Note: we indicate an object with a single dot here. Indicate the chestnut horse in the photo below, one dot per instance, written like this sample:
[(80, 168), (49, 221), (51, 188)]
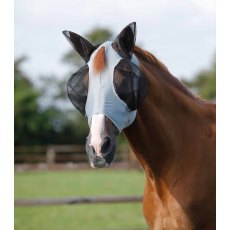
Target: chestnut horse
[(171, 132)]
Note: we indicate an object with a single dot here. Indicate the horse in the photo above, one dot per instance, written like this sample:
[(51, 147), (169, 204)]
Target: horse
[(172, 132)]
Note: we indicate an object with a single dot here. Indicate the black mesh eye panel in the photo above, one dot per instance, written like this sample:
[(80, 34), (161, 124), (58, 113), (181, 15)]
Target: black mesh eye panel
[(129, 83), (77, 88)]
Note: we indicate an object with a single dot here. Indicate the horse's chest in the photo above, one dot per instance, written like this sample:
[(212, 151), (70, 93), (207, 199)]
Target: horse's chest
[(162, 211)]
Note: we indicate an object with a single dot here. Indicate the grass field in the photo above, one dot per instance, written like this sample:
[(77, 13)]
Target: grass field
[(79, 183)]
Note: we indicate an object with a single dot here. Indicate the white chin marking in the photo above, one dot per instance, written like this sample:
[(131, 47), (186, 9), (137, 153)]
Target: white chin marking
[(91, 164), (96, 129)]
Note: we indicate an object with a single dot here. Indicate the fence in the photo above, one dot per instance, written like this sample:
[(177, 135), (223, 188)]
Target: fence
[(61, 153), (78, 200), (52, 154)]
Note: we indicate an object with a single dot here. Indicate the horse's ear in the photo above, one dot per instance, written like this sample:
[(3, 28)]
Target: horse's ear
[(80, 44), (125, 41)]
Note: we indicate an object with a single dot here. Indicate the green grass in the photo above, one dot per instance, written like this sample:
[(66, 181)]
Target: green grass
[(84, 216)]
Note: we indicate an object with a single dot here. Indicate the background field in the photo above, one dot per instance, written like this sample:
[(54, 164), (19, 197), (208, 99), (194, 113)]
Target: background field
[(79, 183)]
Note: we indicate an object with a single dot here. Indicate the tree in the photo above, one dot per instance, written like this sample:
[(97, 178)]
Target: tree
[(25, 107), (204, 83), (36, 124)]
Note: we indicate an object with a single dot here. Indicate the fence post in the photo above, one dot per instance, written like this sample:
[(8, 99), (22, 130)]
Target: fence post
[(50, 155)]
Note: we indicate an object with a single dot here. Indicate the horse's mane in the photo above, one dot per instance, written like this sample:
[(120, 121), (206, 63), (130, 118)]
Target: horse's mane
[(147, 56), (168, 77)]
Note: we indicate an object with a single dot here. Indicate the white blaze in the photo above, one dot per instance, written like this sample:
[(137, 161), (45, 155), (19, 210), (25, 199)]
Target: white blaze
[(96, 130)]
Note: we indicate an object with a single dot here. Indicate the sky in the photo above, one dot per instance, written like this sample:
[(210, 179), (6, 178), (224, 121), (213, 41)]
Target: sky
[(181, 33)]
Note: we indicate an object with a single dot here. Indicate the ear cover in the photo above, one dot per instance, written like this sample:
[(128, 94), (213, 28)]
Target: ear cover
[(129, 83), (80, 44), (125, 41), (77, 88)]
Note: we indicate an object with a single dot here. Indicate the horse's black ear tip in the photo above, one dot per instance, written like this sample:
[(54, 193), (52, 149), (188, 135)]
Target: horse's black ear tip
[(66, 33), (133, 24)]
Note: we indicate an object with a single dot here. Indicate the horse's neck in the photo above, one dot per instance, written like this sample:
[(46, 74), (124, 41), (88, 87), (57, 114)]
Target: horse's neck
[(173, 137), (167, 124)]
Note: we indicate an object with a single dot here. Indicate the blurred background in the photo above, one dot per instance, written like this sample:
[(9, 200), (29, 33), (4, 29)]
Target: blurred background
[(50, 159)]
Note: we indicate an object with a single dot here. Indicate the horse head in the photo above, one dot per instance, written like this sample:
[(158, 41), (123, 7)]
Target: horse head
[(108, 90)]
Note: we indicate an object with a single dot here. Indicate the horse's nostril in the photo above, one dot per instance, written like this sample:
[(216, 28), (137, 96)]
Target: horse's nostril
[(90, 149), (93, 149), (105, 148)]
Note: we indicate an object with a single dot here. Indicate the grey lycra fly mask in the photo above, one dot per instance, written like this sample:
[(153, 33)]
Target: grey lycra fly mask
[(102, 97), (116, 91)]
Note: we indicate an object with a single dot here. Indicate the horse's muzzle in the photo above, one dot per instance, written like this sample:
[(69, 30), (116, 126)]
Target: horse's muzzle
[(105, 158)]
